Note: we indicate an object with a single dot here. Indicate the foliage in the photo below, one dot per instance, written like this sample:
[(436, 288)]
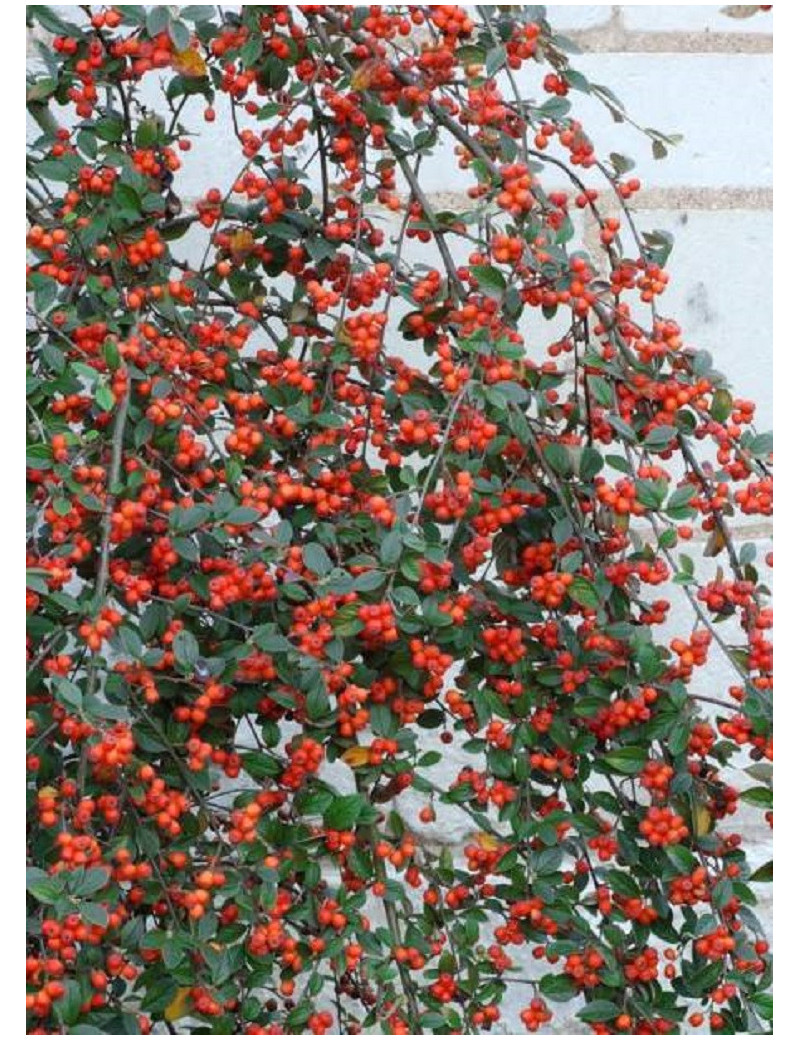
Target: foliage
[(307, 515)]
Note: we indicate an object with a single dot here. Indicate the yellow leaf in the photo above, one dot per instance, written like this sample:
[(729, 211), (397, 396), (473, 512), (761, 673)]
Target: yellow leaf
[(362, 77), (702, 820), (241, 244), (487, 842), (180, 1005), (189, 63), (621, 521), (356, 756), (342, 335)]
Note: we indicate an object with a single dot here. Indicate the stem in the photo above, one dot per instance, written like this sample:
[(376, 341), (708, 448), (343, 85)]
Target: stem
[(117, 439), (393, 922)]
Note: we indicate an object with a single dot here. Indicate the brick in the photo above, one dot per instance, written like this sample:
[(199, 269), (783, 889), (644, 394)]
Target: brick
[(720, 103), (216, 158), (569, 17), (720, 292), (691, 18)]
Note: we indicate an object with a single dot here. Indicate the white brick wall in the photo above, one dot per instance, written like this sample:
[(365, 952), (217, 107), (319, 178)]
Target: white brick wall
[(721, 292), (691, 18), (720, 103), (569, 17), (703, 192)]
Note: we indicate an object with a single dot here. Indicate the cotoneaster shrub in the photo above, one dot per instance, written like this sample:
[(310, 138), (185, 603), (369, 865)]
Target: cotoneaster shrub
[(295, 499)]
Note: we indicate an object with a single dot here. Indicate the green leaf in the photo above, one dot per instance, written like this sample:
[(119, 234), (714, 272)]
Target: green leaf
[(599, 1011), (679, 736), (761, 771), (110, 128), (761, 796), (49, 20), (157, 20), (622, 163), (198, 12), (260, 766), (624, 430), (252, 50), (495, 60), (179, 34), (127, 197), (489, 280), (391, 547), (627, 760), (318, 703), (470, 54), (185, 520), (659, 246), (559, 458), (94, 879), (649, 663), (104, 397), (69, 1005), (316, 559), (186, 650), (557, 987), (431, 718), (591, 463), (93, 913), (511, 392), (660, 437), (651, 493), (343, 812), (42, 886), (54, 170), (242, 515), (268, 639), (600, 391), (147, 133), (681, 858), (681, 497), (583, 592), (369, 581), (761, 445), (763, 1004), (346, 621), (68, 693), (721, 405)]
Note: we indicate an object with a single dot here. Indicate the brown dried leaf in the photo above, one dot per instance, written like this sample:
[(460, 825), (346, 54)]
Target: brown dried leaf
[(189, 63), (715, 543), (740, 10), (356, 756)]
